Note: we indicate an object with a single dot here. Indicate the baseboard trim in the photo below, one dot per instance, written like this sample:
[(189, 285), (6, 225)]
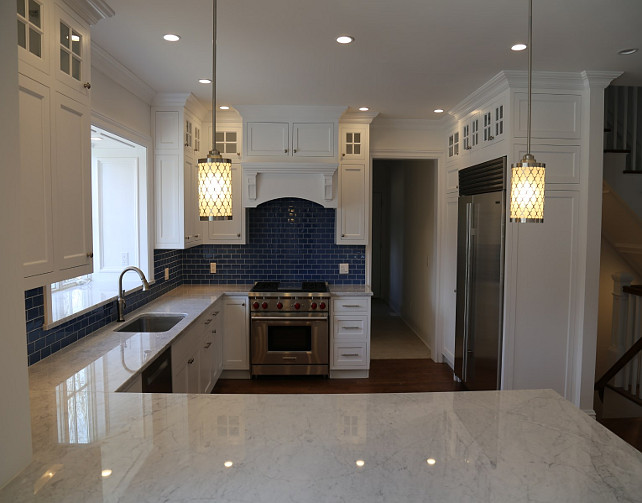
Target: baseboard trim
[(449, 358)]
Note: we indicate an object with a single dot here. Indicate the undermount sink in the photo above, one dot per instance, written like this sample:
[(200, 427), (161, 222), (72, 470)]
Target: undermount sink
[(152, 322)]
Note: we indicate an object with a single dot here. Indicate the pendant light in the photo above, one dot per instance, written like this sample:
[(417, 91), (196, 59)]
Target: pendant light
[(214, 172), (528, 175)]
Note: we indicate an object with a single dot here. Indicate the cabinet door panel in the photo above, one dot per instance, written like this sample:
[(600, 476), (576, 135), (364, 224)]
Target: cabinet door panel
[(35, 170), (313, 140), (71, 183), (166, 130), (352, 205), (236, 355), (268, 138), (168, 181)]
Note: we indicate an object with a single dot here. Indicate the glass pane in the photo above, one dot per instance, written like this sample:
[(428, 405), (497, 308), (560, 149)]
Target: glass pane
[(21, 7), (357, 149), (34, 13), (75, 68), (64, 61), (231, 148), (22, 35), (76, 40), (357, 137), (349, 149), (348, 137), (231, 136), (220, 136), (220, 146), (35, 45), (64, 35)]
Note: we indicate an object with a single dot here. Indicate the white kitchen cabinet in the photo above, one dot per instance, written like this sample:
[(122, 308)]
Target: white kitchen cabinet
[(353, 142), (231, 231), (236, 334), (290, 139), (55, 146), (186, 360), (453, 145), (350, 333), (211, 356), (177, 144), (353, 205)]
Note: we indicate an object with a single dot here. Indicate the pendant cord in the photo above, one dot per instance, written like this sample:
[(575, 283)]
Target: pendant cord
[(530, 73), (214, 76)]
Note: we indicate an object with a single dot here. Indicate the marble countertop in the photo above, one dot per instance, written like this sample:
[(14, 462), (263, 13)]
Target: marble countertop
[(91, 444), (352, 290), (494, 447)]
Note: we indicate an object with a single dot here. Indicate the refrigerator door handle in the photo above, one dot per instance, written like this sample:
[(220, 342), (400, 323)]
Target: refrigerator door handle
[(468, 286)]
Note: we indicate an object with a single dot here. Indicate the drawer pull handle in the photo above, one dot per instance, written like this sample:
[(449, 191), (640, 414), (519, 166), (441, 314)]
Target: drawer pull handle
[(352, 328), (289, 357), (207, 346), (190, 361), (349, 354), (351, 305), (207, 322)]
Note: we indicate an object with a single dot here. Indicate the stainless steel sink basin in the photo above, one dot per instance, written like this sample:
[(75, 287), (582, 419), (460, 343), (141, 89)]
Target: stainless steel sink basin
[(152, 322)]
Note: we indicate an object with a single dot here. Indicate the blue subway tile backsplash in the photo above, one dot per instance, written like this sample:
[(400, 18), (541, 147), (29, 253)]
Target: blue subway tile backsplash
[(288, 240)]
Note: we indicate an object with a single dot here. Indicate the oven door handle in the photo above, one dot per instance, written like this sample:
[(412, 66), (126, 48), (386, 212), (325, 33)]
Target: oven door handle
[(289, 318)]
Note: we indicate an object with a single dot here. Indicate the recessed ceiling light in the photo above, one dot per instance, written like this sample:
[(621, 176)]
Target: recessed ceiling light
[(360, 463), (228, 464), (224, 107), (518, 47), (626, 52), (170, 37), (106, 473), (438, 110), (363, 109), (431, 461), (345, 39), (205, 81)]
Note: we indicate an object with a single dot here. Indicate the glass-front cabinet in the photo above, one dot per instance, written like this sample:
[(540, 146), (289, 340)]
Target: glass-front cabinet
[(72, 64)]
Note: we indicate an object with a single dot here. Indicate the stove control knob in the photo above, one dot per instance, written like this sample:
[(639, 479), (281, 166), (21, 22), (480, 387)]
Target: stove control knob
[(322, 305), (255, 305), (279, 305), (313, 305), (297, 305), (264, 305)]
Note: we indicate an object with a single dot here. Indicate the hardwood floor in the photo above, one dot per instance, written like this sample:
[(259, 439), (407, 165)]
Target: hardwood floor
[(386, 376), (628, 429)]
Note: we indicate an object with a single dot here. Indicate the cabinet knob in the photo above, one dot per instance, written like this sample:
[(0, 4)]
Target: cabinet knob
[(196, 235), (491, 137), (87, 85), (343, 235), (294, 151), (343, 155), (286, 151), (238, 235), (190, 361), (90, 254)]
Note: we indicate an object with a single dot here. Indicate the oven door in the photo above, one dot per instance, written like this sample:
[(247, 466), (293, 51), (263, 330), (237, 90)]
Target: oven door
[(289, 339)]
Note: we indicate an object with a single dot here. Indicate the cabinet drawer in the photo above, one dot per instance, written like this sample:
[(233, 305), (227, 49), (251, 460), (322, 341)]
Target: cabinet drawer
[(351, 327), (350, 356), (351, 305)]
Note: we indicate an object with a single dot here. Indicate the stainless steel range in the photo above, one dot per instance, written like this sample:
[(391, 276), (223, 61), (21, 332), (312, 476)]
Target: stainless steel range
[(289, 332)]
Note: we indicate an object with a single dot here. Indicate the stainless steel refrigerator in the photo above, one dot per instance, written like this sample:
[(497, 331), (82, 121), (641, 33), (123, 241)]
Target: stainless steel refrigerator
[(480, 274)]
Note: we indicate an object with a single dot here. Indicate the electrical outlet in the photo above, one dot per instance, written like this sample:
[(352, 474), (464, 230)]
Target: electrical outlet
[(213, 267), (167, 273), (344, 268), (124, 259)]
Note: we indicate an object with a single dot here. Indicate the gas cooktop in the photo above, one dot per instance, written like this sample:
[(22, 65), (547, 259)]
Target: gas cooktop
[(290, 286)]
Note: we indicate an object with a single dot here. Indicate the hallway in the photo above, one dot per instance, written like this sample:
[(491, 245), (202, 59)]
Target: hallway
[(391, 338)]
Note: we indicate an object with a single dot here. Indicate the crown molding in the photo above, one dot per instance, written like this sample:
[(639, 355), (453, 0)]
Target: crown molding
[(105, 63), (409, 124), (599, 79), (488, 91), (350, 117), (91, 11)]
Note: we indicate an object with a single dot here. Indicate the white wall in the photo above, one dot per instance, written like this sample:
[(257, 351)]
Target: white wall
[(419, 307), (15, 420), (610, 263)]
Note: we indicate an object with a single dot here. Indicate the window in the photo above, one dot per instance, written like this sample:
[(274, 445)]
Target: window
[(119, 226), (30, 34)]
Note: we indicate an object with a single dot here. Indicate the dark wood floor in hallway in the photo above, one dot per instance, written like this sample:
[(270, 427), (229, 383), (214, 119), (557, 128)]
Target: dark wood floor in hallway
[(386, 376)]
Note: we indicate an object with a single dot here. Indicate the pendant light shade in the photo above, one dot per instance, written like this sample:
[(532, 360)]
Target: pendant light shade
[(528, 176), (214, 172), (527, 191)]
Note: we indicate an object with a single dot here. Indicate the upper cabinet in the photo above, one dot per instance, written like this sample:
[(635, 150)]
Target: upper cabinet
[(353, 143), (54, 86), (177, 148), (291, 139)]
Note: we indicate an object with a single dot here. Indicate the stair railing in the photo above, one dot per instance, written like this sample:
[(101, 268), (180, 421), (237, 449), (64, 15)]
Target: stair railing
[(626, 333), (623, 123)]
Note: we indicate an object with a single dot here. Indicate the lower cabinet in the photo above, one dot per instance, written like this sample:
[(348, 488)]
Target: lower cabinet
[(350, 333), (197, 356), (236, 348)]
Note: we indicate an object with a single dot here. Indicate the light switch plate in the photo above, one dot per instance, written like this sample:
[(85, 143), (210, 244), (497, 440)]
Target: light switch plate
[(213, 267), (344, 268)]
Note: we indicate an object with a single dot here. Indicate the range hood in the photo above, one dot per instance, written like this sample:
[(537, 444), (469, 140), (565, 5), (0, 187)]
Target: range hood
[(265, 181)]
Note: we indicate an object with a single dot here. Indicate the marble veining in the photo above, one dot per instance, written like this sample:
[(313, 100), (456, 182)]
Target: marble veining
[(506, 446)]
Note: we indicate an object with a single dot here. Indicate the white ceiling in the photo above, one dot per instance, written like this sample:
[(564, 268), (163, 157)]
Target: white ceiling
[(408, 57)]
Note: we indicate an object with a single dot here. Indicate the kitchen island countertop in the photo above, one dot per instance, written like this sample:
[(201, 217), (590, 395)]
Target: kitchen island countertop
[(92, 444)]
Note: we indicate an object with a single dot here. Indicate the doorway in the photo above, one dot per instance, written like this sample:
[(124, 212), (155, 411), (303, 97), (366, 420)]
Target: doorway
[(404, 243)]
